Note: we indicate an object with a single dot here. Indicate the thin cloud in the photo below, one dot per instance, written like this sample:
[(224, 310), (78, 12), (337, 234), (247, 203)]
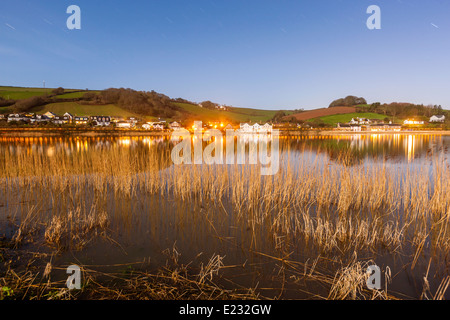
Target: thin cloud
[(435, 26), (10, 26)]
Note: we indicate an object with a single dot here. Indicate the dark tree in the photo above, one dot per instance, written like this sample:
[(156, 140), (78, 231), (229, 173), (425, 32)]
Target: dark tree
[(58, 91)]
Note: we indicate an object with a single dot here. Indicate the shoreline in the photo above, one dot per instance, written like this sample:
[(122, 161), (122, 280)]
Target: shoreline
[(415, 132)]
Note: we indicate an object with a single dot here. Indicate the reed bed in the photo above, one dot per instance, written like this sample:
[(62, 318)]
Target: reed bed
[(334, 208)]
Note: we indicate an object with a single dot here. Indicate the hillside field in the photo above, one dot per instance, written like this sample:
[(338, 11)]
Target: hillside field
[(322, 112), (78, 109), (344, 118), (233, 114), (17, 93)]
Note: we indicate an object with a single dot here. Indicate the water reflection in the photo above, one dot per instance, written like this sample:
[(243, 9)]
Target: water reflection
[(373, 147)]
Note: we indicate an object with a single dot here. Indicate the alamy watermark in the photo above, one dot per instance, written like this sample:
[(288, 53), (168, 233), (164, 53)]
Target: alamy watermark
[(374, 280), (374, 21), (262, 146), (74, 280), (74, 20)]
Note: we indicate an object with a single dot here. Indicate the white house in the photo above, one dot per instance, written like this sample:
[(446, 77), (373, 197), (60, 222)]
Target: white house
[(408, 121), (17, 117), (222, 108), (124, 124), (359, 121), (153, 126), (256, 128), (39, 118), (60, 120), (50, 114), (267, 127), (245, 127), (437, 118), (385, 127), (69, 115), (174, 126), (349, 127), (81, 120), (101, 121)]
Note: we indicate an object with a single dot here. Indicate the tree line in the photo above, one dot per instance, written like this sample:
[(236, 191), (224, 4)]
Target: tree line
[(404, 110), (140, 102)]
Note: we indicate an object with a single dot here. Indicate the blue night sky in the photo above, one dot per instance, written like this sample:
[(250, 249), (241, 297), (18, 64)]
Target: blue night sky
[(246, 53)]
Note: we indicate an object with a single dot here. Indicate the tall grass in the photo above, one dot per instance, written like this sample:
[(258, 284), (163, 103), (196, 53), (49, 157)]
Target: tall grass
[(331, 208)]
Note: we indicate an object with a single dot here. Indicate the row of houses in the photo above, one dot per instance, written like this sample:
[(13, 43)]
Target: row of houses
[(373, 127), (99, 121), (255, 128), (58, 119), (365, 121), (358, 124)]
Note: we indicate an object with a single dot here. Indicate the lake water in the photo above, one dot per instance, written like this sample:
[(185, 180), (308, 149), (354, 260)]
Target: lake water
[(146, 226)]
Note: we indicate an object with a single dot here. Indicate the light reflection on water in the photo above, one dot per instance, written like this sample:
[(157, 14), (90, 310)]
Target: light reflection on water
[(398, 147)]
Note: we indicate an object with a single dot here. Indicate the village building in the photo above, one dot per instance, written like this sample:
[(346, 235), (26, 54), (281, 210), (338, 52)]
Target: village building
[(385, 127), (437, 118), (132, 120), (124, 124), (117, 119), (246, 128), (360, 121), (81, 120), (349, 127), (60, 119), (39, 118), (175, 126), (413, 121), (376, 121), (153, 126), (49, 114), (101, 121), (256, 128), (222, 108), (18, 117), (70, 116), (267, 127)]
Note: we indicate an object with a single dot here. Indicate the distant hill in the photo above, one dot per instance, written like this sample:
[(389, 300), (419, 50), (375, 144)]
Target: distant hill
[(152, 105), (122, 103), (344, 109)]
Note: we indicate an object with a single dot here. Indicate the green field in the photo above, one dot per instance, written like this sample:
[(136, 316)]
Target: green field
[(22, 93), (73, 95), (233, 115), (18, 93), (84, 110), (343, 118)]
